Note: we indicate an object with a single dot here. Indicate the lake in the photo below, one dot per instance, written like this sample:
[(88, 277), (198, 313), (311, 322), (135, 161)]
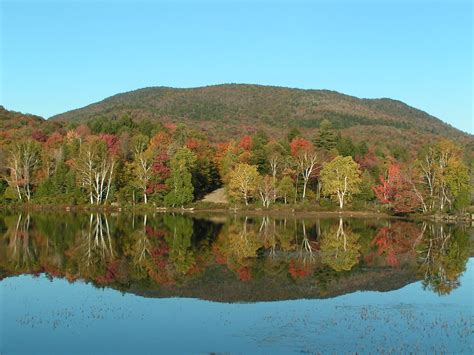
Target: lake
[(79, 283)]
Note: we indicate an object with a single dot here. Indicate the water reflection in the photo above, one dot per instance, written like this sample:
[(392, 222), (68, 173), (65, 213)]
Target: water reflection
[(340, 247), (96, 243), (235, 258), (442, 258), (20, 248)]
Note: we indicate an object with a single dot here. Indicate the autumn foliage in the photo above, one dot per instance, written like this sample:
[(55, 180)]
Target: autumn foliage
[(396, 190), (126, 162)]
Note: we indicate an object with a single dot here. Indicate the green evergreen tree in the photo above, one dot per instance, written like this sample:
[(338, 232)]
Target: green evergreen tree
[(327, 137), (294, 133), (180, 182), (345, 147)]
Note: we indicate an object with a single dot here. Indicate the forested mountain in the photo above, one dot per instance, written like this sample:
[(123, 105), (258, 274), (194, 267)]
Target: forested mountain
[(226, 110), (12, 119), (264, 145)]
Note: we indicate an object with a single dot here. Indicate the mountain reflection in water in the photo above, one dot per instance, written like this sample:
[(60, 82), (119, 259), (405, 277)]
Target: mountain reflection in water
[(231, 258)]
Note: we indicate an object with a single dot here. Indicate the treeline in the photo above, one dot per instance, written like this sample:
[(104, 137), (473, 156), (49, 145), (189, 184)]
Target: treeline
[(343, 120), (128, 163)]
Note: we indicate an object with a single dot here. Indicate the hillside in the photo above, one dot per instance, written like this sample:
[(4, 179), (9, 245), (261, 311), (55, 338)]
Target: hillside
[(14, 120), (237, 107)]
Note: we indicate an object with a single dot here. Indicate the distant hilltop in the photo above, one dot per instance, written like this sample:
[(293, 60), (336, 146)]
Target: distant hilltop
[(232, 110), (228, 109)]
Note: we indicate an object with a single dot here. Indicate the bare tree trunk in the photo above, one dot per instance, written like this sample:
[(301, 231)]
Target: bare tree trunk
[(296, 188), (109, 182), (305, 182)]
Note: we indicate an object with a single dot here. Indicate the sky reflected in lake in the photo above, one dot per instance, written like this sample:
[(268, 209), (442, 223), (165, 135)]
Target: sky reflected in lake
[(371, 305)]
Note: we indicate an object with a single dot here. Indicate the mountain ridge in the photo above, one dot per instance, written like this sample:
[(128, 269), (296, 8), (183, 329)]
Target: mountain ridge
[(243, 104)]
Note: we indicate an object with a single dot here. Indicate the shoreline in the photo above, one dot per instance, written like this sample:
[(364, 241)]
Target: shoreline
[(251, 212)]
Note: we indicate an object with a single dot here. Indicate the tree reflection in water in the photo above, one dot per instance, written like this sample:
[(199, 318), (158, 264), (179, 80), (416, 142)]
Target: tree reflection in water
[(22, 251), (172, 252), (141, 245), (340, 248), (97, 243), (179, 241), (442, 255)]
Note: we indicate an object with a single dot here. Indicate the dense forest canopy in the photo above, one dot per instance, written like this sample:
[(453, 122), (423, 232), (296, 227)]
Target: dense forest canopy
[(155, 147), (226, 110)]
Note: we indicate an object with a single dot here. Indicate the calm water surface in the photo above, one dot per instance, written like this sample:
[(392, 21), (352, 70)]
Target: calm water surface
[(99, 284)]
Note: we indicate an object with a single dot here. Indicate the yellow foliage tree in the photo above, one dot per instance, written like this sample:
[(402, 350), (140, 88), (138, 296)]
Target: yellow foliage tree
[(341, 179), (243, 182)]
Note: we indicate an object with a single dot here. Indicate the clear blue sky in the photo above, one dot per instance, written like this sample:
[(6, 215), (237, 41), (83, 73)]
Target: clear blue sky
[(56, 56)]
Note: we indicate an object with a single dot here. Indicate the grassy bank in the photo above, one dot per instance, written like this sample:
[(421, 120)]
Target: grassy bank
[(200, 208)]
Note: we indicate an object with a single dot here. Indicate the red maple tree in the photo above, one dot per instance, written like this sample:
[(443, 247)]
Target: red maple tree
[(396, 191)]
